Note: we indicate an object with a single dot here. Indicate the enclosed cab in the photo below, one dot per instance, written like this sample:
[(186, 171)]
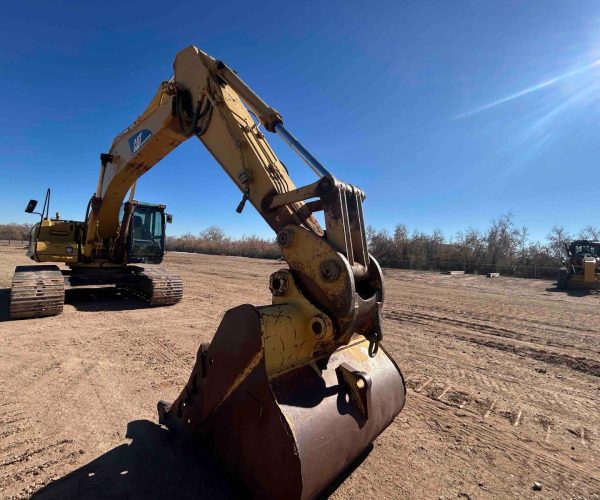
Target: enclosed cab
[(580, 249), (146, 235)]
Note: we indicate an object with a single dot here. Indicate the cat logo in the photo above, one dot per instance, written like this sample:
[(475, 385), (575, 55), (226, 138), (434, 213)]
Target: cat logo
[(137, 141)]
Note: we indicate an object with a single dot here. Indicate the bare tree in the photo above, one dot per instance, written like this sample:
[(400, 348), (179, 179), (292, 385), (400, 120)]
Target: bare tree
[(382, 246), (213, 233), (435, 245), (521, 240), (589, 233), (401, 241), (502, 240), (15, 231), (470, 247), (214, 241), (557, 239)]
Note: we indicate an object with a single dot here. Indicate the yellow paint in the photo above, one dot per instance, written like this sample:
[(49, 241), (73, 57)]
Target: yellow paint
[(589, 270), (54, 241), (288, 339), (232, 138)]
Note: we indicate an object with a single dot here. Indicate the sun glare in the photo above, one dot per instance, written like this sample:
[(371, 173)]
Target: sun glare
[(529, 90)]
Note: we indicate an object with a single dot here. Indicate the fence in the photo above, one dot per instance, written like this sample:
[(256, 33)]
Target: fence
[(517, 271), (7, 239)]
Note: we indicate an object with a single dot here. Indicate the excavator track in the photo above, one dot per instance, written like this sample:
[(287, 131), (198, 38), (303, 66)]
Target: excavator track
[(36, 291), (155, 285)]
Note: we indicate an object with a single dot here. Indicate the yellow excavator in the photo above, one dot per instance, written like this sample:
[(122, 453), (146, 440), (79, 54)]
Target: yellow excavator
[(40, 290), (286, 395)]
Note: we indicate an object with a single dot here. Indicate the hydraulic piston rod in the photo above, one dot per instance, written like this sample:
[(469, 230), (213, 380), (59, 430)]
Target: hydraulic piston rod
[(268, 116), (295, 144)]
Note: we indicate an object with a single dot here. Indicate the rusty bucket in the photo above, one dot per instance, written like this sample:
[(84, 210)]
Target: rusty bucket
[(291, 435)]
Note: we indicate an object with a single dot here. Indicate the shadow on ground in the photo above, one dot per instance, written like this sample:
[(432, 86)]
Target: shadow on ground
[(106, 298), (156, 464), (86, 300), (4, 304), (575, 292)]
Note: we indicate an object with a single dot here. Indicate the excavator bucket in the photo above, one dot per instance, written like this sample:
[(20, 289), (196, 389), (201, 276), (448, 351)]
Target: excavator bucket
[(289, 435)]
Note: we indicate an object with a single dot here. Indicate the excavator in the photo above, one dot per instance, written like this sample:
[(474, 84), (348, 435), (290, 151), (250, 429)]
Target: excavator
[(40, 290), (287, 395)]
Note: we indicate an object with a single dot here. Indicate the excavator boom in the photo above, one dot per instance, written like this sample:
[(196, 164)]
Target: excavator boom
[(198, 102)]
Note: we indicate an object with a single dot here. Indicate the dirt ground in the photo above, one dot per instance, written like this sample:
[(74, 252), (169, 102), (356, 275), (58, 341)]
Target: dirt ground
[(503, 381)]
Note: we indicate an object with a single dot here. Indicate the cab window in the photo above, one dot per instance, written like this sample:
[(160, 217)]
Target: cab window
[(146, 231)]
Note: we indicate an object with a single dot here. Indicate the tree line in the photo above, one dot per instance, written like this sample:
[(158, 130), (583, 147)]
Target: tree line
[(214, 241), (15, 231), (502, 246)]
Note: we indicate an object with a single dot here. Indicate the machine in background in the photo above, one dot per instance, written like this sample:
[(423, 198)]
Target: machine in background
[(582, 266), (40, 290)]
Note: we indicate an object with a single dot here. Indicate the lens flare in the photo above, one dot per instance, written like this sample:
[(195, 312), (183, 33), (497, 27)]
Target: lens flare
[(530, 90)]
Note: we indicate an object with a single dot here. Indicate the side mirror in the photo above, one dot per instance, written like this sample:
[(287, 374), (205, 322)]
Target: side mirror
[(169, 218), (31, 206)]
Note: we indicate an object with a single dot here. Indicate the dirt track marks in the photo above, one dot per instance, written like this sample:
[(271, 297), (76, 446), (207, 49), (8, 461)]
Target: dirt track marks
[(585, 365), (558, 469), (495, 409), (480, 420)]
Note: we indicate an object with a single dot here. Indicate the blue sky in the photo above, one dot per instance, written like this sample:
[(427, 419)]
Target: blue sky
[(447, 114)]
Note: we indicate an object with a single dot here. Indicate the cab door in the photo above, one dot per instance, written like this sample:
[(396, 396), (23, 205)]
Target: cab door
[(146, 238)]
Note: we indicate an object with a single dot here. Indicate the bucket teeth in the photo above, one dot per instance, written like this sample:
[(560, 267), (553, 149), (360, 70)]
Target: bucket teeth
[(286, 436)]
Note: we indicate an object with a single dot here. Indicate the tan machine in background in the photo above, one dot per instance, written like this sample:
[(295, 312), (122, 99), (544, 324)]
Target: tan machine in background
[(582, 266), (288, 394)]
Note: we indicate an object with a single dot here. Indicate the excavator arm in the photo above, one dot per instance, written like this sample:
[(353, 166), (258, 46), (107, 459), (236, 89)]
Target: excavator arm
[(206, 99), (307, 370), (198, 102)]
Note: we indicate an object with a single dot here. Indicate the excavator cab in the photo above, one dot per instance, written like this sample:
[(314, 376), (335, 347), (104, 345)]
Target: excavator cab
[(146, 238)]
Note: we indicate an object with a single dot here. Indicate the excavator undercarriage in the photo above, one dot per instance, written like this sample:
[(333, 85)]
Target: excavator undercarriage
[(38, 291)]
